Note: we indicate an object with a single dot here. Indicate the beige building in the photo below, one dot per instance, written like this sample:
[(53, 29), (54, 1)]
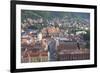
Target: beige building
[(34, 56)]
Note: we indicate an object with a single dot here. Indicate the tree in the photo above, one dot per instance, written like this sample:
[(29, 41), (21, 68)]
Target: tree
[(86, 38)]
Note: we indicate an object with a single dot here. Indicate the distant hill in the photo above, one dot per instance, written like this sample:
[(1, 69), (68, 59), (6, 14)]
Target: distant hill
[(73, 16)]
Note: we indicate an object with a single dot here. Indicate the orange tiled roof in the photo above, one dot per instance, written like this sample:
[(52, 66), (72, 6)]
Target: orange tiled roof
[(35, 53)]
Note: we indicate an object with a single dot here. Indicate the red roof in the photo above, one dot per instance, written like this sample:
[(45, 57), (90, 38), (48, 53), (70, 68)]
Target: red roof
[(35, 53)]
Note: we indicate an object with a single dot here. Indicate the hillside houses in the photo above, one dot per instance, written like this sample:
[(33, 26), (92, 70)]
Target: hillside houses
[(55, 37)]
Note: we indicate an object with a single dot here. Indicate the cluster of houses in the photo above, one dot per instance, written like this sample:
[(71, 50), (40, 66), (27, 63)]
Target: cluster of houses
[(36, 43), (34, 47)]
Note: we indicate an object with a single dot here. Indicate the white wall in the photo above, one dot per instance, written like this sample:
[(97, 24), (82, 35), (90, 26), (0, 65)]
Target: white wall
[(5, 37)]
